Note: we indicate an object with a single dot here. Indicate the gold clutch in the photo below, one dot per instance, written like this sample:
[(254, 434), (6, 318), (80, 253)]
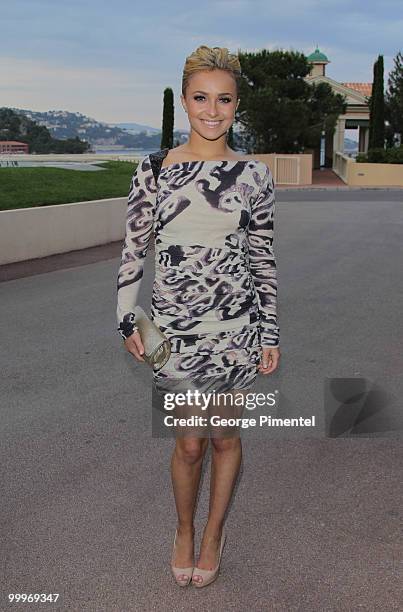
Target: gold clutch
[(157, 348)]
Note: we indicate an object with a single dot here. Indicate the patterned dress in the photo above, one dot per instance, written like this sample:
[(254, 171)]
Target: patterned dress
[(215, 289)]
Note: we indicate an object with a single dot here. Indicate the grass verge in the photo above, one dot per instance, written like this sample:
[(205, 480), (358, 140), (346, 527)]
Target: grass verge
[(31, 187)]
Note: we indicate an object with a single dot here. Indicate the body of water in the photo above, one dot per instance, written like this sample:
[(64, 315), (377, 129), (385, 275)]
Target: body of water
[(137, 152)]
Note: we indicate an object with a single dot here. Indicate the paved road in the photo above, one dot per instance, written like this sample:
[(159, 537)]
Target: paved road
[(315, 523)]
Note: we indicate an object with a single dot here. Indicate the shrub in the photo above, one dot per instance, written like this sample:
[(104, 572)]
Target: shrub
[(379, 155), (361, 157), (395, 155)]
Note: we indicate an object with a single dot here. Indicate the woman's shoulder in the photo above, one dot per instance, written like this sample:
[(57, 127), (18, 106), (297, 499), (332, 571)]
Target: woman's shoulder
[(169, 157)]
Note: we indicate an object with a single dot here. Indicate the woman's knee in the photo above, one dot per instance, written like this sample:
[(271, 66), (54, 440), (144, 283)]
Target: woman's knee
[(222, 444), (191, 450)]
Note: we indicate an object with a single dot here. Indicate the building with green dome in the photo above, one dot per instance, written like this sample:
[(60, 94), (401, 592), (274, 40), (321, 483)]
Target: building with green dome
[(357, 113), (318, 61)]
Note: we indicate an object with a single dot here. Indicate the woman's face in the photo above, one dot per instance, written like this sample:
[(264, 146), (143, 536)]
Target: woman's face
[(211, 102)]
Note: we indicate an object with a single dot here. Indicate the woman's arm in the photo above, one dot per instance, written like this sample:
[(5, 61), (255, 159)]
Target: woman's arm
[(262, 262), (139, 228)]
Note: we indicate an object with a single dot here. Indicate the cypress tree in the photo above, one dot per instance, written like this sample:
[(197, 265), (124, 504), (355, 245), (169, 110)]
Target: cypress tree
[(167, 136), (371, 108), (377, 108), (394, 99)]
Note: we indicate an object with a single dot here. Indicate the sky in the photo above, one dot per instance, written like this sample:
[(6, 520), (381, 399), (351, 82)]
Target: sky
[(113, 60)]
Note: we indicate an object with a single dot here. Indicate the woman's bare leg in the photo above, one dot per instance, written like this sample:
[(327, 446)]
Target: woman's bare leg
[(186, 467), (225, 464)]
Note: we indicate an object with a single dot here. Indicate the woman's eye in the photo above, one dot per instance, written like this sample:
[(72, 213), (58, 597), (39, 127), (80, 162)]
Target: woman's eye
[(226, 100)]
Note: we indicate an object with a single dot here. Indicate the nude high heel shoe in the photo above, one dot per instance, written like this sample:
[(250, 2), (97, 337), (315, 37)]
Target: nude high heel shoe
[(182, 575), (208, 576)]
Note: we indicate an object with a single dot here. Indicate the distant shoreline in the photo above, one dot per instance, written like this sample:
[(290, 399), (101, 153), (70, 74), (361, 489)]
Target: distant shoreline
[(123, 151), (100, 154), (123, 155)]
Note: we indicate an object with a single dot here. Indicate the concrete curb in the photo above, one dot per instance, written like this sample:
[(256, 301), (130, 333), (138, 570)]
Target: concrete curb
[(341, 188)]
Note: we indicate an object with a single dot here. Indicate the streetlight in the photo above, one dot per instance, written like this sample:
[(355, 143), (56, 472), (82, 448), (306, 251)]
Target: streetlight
[(323, 145)]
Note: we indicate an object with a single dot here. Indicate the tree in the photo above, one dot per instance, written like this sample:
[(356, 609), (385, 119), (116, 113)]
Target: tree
[(394, 101), (167, 136), (377, 108), (371, 106), (10, 124), (279, 110), (230, 138), (323, 110)]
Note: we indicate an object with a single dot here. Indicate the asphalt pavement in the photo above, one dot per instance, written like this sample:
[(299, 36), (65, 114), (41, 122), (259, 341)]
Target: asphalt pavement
[(315, 522)]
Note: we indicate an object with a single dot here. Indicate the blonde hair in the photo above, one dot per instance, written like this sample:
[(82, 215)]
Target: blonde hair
[(210, 58)]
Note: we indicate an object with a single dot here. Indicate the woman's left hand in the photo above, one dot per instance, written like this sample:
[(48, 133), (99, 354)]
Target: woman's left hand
[(269, 360)]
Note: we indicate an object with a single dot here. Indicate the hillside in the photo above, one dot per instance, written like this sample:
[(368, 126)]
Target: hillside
[(64, 124), (19, 127)]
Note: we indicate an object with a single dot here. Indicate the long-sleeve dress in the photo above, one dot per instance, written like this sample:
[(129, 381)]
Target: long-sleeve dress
[(215, 288)]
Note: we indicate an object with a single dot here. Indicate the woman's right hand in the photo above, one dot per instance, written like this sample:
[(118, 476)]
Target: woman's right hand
[(135, 346)]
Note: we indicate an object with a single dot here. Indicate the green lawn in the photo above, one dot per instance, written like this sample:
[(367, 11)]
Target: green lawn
[(25, 187)]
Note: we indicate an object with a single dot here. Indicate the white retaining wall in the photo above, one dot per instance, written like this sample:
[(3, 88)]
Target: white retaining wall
[(27, 233)]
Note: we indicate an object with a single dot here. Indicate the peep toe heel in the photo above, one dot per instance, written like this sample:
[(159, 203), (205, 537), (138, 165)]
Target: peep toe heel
[(208, 576), (182, 575)]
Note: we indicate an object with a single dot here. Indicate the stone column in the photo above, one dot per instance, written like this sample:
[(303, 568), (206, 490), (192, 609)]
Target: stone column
[(338, 138), (363, 139)]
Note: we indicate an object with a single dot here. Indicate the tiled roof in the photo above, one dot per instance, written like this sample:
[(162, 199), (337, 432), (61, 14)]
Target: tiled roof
[(363, 88), (12, 142)]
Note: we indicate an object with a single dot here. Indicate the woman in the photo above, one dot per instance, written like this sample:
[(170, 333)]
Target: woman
[(215, 290)]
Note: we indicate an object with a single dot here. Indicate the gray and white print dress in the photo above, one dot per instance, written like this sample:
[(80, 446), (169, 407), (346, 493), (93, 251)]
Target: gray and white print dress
[(215, 288)]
